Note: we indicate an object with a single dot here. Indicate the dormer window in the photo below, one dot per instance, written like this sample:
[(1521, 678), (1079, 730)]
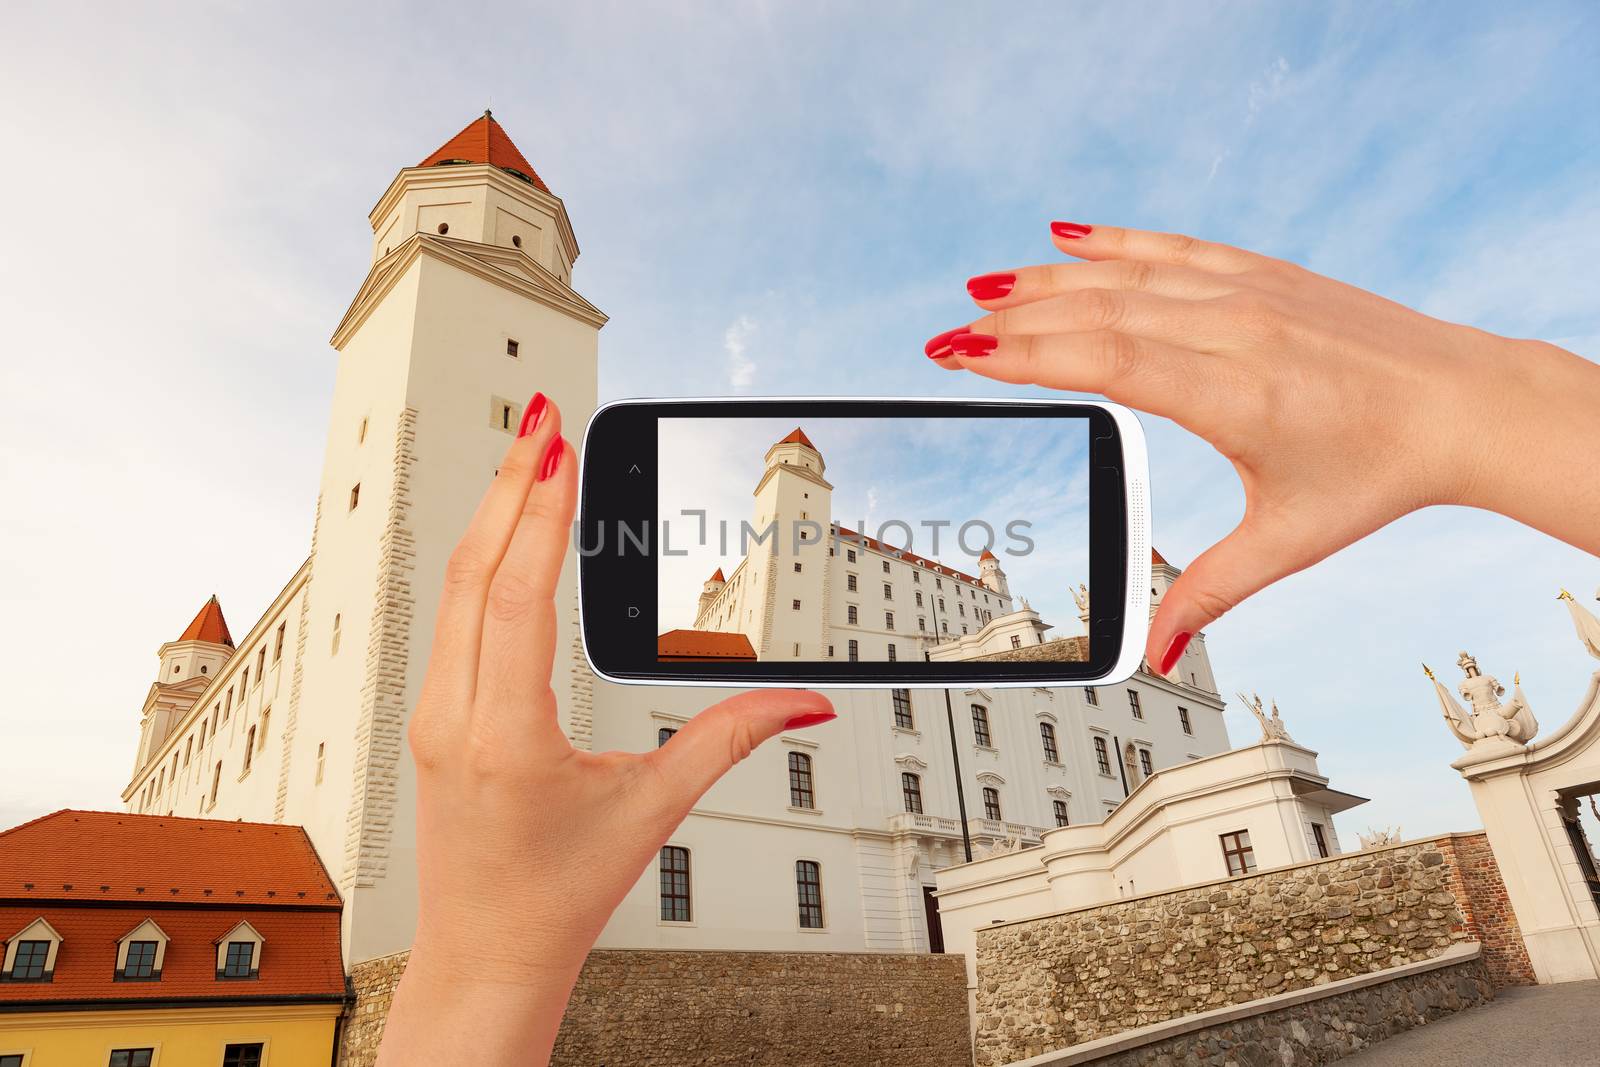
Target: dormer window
[(141, 953), (31, 954), (239, 953)]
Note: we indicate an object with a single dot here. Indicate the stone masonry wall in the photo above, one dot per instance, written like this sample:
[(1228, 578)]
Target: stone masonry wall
[(1322, 1031), (633, 1008), (1486, 909), (1048, 983)]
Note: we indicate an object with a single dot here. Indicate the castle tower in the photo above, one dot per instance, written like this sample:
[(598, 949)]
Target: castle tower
[(466, 312), (991, 575), (187, 666), (708, 593), (795, 503), (1194, 666)]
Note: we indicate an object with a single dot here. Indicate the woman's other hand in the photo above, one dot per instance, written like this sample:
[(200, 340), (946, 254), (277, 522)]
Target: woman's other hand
[(1340, 410), (526, 845)]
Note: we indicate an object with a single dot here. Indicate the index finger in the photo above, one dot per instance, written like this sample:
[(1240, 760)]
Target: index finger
[(1178, 249)]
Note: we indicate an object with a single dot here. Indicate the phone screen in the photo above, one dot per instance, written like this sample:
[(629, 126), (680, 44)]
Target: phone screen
[(873, 540)]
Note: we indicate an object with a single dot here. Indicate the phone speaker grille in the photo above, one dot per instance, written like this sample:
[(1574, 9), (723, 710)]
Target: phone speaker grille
[(1138, 548)]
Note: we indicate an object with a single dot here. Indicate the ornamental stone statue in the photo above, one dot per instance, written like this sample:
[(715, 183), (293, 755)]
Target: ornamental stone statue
[(1272, 728), (1490, 723)]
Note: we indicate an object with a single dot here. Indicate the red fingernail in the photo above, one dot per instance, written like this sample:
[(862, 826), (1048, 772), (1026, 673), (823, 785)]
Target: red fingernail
[(991, 286), (939, 347), (533, 415), (552, 458), (810, 718), (973, 344), (1070, 230), (1169, 659)]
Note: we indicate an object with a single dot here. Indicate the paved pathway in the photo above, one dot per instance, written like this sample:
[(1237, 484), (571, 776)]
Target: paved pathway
[(1530, 1026)]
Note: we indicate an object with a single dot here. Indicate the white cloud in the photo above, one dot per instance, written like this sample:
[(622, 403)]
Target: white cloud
[(735, 342)]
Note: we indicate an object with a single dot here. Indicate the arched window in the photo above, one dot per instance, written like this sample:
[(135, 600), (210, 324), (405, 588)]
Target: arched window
[(1047, 734), (980, 725), (991, 803), (911, 789), (675, 884), (1060, 807), (808, 889), (800, 791)]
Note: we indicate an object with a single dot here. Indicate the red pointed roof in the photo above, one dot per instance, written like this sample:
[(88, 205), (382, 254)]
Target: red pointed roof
[(209, 625), (483, 140), (985, 555), (717, 577), (1157, 558), (798, 437)]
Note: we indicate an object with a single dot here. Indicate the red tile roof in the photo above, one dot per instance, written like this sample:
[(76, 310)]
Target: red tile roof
[(717, 577), (209, 625), (1157, 558), (798, 437), (484, 141), (985, 554), (300, 953), (910, 557), (139, 859), (675, 645)]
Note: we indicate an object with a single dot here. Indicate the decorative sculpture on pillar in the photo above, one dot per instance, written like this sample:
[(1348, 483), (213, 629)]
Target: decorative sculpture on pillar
[(1376, 838), (1272, 728), (1587, 625), (1081, 596), (1490, 723)]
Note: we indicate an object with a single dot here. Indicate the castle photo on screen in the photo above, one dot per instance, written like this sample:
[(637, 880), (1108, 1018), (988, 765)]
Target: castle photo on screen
[(876, 539)]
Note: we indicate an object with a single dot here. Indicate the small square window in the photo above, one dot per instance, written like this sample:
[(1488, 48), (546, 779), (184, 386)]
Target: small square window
[(512, 348), (132, 1057), (141, 960), (242, 1055), (241, 954)]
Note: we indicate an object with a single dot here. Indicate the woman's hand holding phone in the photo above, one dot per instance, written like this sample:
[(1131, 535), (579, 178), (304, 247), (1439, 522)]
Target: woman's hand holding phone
[(1340, 410)]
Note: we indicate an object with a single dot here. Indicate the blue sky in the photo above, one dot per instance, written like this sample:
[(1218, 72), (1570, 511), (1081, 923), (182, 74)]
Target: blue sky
[(920, 472), (770, 198)]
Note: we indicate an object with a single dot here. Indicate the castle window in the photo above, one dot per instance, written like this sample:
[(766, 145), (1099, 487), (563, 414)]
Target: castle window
[(1322, 841), (808, 888), (322, 749), (187, 749), (797, 605), (1183, 721), (444, 228), (249, 749), (919, 598), (203, 668), (261, 664), (361, 436), (238, 963), (1016, 642), (800, 789), (922, 622), (850, 583), (132, 1057), (850, 555), (355, 495), (916, 579), (277, 644), (797, 568), (902, 709), (516, 242), (892, 655), (664, 735), (30, 961), (980, 725), (991, 803), (886, 566), (333, 642), (830, 651), (1102, 757), (141, 960), (512, 348), (941, 604), (675, 884), (1047, 734), (1237, 853), (176, 669), (242, 1055), (216, 780), (1145, 764), (227, 708), (938, 583), (911, 790), (1134, 705), (1090, 696), (888, 620), (850, 614), (855, 650)]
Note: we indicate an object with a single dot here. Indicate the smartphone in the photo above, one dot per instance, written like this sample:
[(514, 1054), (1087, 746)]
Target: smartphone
[(863, 542)]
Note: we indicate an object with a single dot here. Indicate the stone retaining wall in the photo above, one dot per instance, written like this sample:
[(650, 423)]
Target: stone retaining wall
[(1066, 979), (633, 1008), (1313, 1028)]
